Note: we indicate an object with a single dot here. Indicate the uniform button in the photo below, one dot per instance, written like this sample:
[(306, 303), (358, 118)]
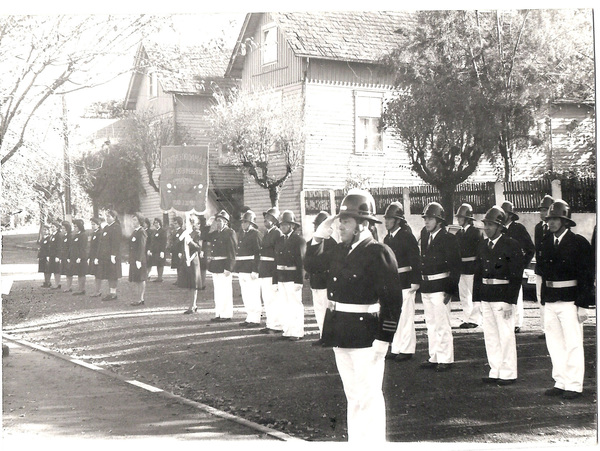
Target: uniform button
[(361, 318), (331, 294), (335, 279)]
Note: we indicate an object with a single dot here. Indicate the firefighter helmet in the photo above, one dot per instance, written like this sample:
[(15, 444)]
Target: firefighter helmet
[(322, 216), (546, 202), (508, 208), (288, 216), (223, 214), (250, 217), (496, 215), (395, 210), (561, 209), (274, 213), (434, 210), (359, 204), (465, 211)]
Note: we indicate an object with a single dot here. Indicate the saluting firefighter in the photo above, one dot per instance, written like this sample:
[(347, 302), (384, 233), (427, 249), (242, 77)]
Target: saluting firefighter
[(518, 232), (469, 238), (44, 256), (138, 268), (289, 259), (224, 246), (267, 272), (78, 255), (406, 249), (497, 280), (363, 312), (539, 232), (440, 269), (93, 263), (567, 267), (176, 247), (157, 249), (316, 271), (109, 254), (247, 261)]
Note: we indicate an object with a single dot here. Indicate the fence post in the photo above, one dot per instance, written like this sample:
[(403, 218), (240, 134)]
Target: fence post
[(332, 202), (498, 193), (406, 200), (556, 189)]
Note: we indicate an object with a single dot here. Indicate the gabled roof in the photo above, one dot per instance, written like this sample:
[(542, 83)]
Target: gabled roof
[(181, 70), (356, 36)]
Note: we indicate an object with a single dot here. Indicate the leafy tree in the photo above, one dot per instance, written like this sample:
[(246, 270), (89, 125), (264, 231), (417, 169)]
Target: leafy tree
[(261, 134), (109, 109), (45, 55)]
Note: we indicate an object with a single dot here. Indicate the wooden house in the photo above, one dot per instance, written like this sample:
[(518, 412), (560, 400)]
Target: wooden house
[(178, 83)]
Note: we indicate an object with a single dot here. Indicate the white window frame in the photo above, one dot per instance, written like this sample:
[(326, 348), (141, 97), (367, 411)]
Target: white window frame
[(367, 105), (268, 50), (152, 84)]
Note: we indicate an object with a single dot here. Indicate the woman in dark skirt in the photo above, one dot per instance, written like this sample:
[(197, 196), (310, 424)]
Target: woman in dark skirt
[(109, 254), (138, 272), (44, 256), (56, 241), (93, 267), (78, 255), (66, 267), (190, 276), (157, 249)]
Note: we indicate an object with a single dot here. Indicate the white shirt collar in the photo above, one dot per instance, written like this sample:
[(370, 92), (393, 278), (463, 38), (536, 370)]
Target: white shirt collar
[(434, 234), (395, 232), (361, 237), (466, 226), (495, 241), (562, 235)]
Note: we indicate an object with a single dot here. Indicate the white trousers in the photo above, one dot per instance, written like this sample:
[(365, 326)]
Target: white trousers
[(471, 310), (361, 370), (268, 291), (564, 339), (223, 295), (519, 310), (405, 338), (319, 299), (250, 289), (500, 341), (292, 310), (439, 330), (538, 295)]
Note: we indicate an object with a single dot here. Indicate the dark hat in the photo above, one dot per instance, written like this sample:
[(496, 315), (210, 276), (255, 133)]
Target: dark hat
[(288, 216), (434, 210), (321, 216), (223, 214), (359, 204), (561, 209), (465, 211), (497, 215), (509, 210), (546, 202), (274, 213), (250, 217)]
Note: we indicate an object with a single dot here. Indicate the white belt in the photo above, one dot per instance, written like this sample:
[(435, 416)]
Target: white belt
[(353, 308), (441, 275), (286, 268), (404, 269), (468, 259), (561, 283), (245, 257), (219, 258), (495, 281), (267, 259)]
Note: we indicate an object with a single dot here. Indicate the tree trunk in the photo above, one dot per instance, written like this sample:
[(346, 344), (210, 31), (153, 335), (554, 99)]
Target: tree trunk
[(447, 201), (274, 195)]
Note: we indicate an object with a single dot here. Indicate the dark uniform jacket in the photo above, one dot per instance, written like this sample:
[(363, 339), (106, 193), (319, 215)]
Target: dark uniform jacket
[(367, 275), (505, 262), (468, 243), (110, 245), (442, 256), (406, 250), (223, 244), (54, 252), (267, 266), (137, 247), (64, 254), (541, 230), (78, 250), (248, 246), (158, 242), (289, 253), (317, 266), (93, 252), (176, 248), (518, 232), (572, 260), (43, 252)]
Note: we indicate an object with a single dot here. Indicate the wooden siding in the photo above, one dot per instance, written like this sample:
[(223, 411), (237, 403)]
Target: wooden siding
[(347, 72), (161, 104), (564, 117), (287, 70)]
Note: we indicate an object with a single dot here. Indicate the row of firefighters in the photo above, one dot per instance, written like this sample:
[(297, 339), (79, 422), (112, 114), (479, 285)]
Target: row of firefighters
[(364, 291)]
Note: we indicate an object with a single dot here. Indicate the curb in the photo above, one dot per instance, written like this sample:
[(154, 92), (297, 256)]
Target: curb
[(160, 392)]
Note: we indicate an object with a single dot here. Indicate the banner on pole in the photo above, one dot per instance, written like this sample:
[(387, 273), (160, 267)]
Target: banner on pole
[(184, 178)]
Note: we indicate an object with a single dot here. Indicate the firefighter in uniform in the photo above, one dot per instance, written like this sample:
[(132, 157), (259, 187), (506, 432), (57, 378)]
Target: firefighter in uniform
[(289, 260), (364, 308), (246, 265), (440, 272), (267, 272), (224, 246), (497, 279), (316, 272), (567, 267), (539, 232), (469, 238), (406, 250), (518, 232)]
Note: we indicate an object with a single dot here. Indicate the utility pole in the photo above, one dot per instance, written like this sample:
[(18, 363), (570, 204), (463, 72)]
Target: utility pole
[(67, 162)]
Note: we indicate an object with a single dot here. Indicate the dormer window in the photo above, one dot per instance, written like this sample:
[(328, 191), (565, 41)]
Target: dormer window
[(152, 84), (269, 44)]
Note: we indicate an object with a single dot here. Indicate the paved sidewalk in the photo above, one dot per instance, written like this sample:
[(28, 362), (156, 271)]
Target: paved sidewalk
[(49, 397)]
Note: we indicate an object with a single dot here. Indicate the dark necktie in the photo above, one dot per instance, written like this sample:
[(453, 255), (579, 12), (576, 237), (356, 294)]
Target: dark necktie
[(490, 245), (556, 243), (545, 227)]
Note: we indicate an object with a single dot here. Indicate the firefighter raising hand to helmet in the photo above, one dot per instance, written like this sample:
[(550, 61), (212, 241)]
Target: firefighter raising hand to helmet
[(365, 300)]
